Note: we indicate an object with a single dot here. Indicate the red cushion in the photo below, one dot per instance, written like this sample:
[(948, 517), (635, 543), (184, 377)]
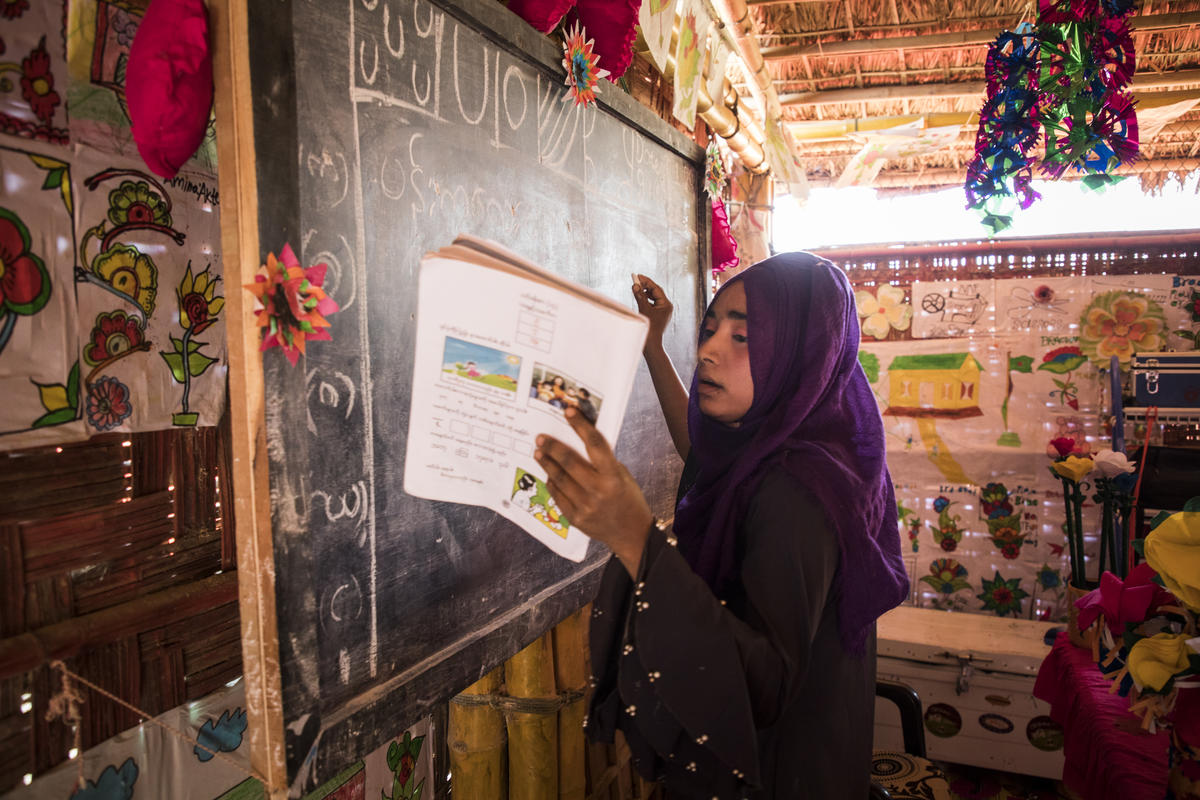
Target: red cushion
[(541, 14), (612, 24), (169, 83)]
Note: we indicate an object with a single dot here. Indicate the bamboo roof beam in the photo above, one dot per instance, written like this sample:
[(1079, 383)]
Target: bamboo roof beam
[(834, 129), (950, 177), (1142, 80), (978, 36)]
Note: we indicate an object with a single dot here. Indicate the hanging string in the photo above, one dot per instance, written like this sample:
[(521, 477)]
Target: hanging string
[(69, 697), (65, 704)]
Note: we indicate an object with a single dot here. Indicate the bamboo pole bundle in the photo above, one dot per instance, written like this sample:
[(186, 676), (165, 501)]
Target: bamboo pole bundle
[(477, 741), (532, 730), (571, 674)]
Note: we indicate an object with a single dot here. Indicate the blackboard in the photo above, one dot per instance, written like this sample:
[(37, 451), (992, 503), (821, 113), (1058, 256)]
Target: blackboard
[(383, 128)]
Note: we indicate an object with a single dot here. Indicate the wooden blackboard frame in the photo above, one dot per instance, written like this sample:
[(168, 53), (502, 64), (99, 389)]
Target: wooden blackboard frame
[(250, 109)]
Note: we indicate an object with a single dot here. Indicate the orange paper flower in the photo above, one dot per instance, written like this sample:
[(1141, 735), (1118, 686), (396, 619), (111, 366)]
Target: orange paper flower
[(291, 303)]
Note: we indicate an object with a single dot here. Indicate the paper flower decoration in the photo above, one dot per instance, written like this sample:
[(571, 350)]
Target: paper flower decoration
[(1073, 468), (1155, 660), (1121, 602), (883, 311), (1173, 550), (724, 246), (1110, 464), (582, 66), (1114, 53), (291, 304)]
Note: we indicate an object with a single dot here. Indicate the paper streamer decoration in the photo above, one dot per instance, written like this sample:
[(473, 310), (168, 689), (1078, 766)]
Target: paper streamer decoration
[(657, 18)]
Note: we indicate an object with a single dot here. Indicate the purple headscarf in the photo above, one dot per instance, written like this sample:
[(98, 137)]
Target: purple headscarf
[(814, 415)]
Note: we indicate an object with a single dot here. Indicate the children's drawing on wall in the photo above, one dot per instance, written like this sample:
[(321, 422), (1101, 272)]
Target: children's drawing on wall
[(222, 735), (556, 390), (1048, 305), (1184, 313), (883, 311), (113, 783), (480, 367), (1012, 364), (1003, 521), (1049, 594), (531, 495), (1063, 361), (33, 75), (1121, 323), (39, 369), (402, 759), (148, 282), (1002, 595), (952, 309), (930, 386), (947, 578)]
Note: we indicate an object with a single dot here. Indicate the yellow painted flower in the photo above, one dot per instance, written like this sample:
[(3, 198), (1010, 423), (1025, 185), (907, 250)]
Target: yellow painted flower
[(883, 311), (198, 301), (1173, 549), (1121, 324), (1073, 468), (1155, 659), (130, 272)]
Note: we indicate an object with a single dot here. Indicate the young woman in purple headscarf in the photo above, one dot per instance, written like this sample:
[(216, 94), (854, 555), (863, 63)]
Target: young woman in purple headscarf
[(741, 662)]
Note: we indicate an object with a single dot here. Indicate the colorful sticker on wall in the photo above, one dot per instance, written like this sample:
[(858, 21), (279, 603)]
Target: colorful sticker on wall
[(1120, 324), (1002, 596), (883, 311), (943, 720), (33, 71)]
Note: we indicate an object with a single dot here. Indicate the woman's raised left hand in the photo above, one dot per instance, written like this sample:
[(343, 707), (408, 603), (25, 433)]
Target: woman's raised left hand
[(596, 493)]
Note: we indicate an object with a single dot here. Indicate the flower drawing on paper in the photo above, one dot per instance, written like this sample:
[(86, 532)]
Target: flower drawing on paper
[(1002, 596), (1006, 535), (402, 761), (199, 305), (1048, 578), (995, 501), (946, 576), (911, 522), (1120, 324), (135, 203), (946, 533), (24, 280), (291, 304), (108, 403), (1063, 361), (131, 273), (582, 66), (883, 311), (687, 55), (114, 335), (1191, 308), (37, 83)]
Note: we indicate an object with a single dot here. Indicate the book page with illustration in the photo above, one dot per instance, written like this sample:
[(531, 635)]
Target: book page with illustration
[(503, 348)]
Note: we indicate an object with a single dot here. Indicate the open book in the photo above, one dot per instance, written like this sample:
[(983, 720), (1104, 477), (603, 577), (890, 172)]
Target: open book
[(503, 349)]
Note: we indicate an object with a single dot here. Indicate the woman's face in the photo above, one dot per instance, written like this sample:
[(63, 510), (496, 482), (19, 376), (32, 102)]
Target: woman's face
[(725, 387)]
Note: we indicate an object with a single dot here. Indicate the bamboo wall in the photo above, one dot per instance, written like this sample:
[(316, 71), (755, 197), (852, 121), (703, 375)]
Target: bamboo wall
[(115, 557), (517, 733)]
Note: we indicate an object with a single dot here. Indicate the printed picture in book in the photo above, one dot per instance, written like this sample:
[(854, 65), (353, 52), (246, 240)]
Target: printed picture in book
[(532, 496), (480, 367), (558, 391)]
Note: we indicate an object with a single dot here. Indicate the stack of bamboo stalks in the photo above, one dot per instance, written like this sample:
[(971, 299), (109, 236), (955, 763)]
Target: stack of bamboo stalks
[(517, 733)]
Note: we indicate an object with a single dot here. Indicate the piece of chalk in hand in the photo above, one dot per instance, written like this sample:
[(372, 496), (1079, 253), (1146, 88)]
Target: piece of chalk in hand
[(637, 284)]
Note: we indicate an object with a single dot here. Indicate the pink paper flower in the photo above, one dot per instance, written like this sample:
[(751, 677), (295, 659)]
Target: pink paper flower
[(1132, 600), (291, 304)]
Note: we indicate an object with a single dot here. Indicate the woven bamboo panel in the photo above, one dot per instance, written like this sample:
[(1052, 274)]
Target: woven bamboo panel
[(98, 526)]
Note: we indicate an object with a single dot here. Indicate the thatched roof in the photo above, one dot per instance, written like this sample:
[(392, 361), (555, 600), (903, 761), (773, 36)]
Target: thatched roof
[(870, 63)]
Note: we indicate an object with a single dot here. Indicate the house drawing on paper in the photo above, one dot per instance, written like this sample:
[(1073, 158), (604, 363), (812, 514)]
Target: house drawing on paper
[(941, 385)]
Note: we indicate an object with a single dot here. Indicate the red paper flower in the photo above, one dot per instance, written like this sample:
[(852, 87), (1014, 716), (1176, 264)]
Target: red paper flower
[(37, 83), (581, 64), (291, 304), (1065, 445)]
